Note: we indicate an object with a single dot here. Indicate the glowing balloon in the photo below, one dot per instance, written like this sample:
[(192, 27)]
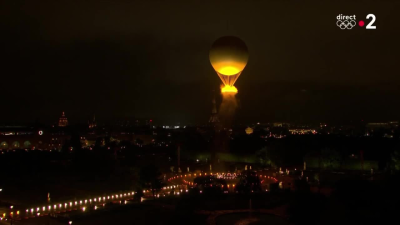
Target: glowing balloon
[(228, 57)]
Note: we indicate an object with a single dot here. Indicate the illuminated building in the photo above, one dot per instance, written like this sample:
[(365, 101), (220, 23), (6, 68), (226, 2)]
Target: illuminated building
[(383, 129), (63, 121), (302, 131), (377, 125), (29, 138)]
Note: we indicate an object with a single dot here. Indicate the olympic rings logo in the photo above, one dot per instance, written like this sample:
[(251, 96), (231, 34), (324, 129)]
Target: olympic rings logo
[(346, 24)]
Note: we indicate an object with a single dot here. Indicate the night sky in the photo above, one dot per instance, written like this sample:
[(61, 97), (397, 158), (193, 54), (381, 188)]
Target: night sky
[(149, 59)]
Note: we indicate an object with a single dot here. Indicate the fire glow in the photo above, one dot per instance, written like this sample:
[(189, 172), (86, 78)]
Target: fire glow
[(229, 89)]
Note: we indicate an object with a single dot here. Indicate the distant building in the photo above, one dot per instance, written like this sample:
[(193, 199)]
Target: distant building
[(214, 114), (280, 124), (92, 124), (29, 138), (377, 125), (394, 124), (302, 131), (382, 129), (63, 121)]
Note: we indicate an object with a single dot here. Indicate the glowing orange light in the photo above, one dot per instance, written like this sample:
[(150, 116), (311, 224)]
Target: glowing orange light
[(229, 89)]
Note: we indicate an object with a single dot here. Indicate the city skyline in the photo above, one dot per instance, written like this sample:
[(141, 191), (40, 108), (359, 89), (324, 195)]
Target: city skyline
[(200, 112), (108, 63)]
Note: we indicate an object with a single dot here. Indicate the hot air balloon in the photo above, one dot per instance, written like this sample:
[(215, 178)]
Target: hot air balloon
[(228, 57)]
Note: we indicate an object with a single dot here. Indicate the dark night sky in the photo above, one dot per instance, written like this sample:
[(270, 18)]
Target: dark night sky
[(149, 59)]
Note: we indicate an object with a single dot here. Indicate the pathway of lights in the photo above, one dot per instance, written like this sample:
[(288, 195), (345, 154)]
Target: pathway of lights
[(101, 200), (66, 206), (82, 204), (227, 176)]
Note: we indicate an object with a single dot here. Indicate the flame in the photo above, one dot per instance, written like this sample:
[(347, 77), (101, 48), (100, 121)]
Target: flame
[(229, 89)]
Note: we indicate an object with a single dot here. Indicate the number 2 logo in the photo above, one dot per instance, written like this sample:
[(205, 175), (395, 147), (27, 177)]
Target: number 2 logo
[(370, 25)]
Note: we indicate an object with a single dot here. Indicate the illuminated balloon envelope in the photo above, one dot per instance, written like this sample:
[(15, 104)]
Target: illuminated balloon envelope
[(228, 57)]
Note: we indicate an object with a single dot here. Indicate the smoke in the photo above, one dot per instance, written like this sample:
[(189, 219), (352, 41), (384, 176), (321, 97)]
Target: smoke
[(227, 108), (221, 139)]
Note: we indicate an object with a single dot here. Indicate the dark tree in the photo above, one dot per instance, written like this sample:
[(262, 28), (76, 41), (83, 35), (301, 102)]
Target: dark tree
[(249, 182), (395, 160), (73, 144), (330, 158), (151, 178)]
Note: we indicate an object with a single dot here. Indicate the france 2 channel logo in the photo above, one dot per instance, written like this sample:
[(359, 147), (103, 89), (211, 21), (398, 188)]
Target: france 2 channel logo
[(347, 22)]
